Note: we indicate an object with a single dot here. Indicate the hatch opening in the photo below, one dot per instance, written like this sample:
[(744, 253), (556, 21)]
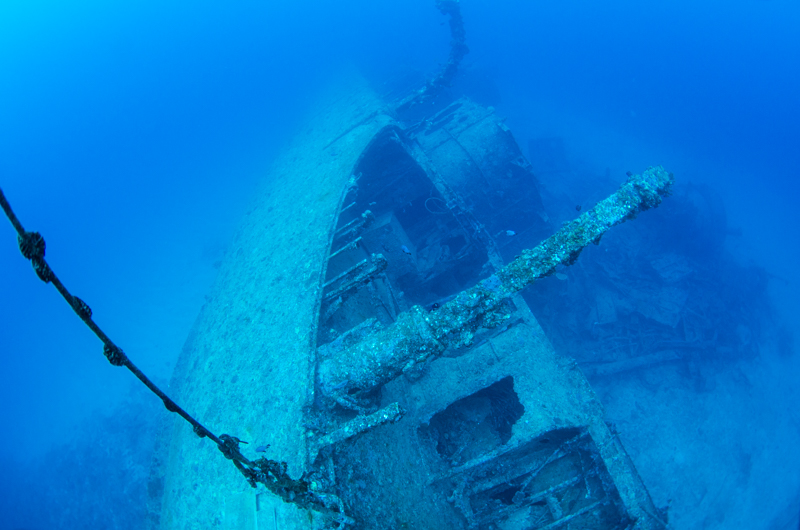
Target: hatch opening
[(476, 424)]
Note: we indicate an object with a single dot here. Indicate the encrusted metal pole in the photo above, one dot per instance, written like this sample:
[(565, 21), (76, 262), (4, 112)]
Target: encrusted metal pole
[(458, 49), (418, 334)]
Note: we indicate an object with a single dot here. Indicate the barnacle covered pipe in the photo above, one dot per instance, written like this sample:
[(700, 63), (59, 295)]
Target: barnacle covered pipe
[(417, 334)]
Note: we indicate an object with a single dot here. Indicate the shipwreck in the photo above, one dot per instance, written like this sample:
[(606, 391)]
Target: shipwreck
[(369, 338)]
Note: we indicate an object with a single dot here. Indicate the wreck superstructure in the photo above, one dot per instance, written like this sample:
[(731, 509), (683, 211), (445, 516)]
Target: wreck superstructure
[(368, 240)]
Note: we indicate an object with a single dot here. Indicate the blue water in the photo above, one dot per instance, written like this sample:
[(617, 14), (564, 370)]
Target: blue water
[(132, 135)]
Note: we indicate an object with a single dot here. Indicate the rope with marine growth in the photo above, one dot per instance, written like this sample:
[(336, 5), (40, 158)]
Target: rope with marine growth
[(270, 473), (458, 49)]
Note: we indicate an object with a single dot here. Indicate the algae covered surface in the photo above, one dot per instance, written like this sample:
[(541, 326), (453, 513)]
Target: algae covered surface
[(254, 338)]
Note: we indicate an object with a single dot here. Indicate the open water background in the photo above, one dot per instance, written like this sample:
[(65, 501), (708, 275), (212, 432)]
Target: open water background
[(133, 133)]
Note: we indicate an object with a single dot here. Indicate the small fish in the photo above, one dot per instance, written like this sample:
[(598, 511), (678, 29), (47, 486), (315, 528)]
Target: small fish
[(405, 250), (578, 207), (510, 233), (561, 276), (262, 448)]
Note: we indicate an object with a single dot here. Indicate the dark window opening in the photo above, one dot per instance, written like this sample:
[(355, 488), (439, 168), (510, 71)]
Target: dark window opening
[(476, 424)]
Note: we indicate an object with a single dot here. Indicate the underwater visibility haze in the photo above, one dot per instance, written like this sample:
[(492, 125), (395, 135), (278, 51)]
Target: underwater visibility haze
[(136, 136)]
